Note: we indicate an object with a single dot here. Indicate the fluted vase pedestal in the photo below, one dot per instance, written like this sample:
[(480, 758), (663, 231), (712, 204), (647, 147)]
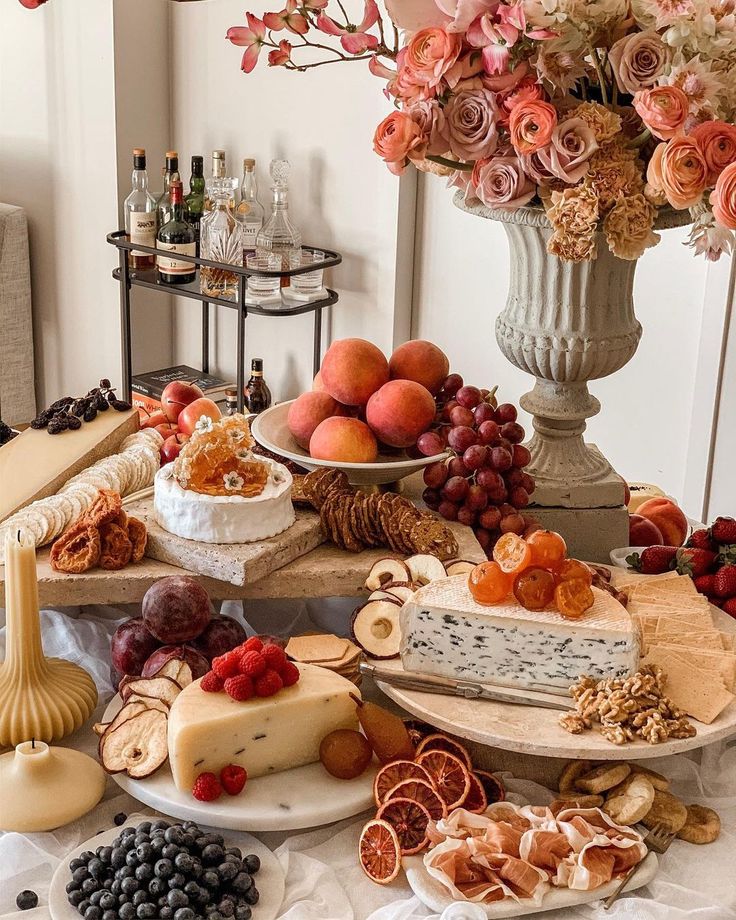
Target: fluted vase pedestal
[(566, 324)]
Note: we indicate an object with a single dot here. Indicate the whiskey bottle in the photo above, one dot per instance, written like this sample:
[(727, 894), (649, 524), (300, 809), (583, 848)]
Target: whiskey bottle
[(249, 210), (257, 394), (194, 201), (140, 214), (176, 236), (163, 205)]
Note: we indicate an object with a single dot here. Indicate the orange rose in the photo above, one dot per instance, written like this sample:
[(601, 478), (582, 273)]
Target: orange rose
[(430, 54), (396, 139), (531, 124), (717, 142), (663, 110), (723, 198), (679, 170)]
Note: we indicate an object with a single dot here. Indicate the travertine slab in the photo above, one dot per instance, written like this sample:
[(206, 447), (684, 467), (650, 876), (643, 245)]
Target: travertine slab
[(590, 533)]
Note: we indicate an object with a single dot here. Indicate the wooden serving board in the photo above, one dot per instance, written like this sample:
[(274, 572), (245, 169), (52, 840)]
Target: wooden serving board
[(236, 563)]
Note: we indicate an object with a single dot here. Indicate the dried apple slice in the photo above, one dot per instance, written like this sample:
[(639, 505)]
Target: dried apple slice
[(381, 595), (138, 746), (160, 688), (375, 628), (388, 569), (425, 568), (459, 567), (402, 591), (177, 669)]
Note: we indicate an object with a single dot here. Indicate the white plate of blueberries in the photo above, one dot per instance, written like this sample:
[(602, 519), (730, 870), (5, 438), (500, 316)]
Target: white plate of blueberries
[(158, 869)]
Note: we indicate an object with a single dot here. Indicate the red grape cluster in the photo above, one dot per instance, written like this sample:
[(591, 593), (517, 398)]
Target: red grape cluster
[(484, 484)]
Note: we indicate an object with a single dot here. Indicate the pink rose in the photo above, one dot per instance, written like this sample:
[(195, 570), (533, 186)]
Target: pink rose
[(430, 118), (566, 156), (501, 183), (663, 109), (430, 55), (638, 59), (678, 169), (723, 198), (397, 138), (531, 125), (471, 124), (717, 142)]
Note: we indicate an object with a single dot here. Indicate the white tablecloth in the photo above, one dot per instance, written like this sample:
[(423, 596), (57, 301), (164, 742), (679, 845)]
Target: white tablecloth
[(323, 878)]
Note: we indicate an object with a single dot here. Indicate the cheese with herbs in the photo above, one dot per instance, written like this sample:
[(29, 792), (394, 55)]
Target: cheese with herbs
[(446, 633), (208, 731)]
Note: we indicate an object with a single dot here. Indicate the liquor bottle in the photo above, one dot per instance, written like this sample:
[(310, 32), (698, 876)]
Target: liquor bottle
[(250, 210), (257, 394), (231, 402), (194, 201), (218, 172), (279, 234), (140, 214), (221, 240), (163, 205), (174, 236)]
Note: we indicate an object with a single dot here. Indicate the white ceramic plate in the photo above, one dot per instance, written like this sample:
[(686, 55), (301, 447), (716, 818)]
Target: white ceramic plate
[(269, 879), (271, 431), (303, 797), (618, 556), (436, 897)]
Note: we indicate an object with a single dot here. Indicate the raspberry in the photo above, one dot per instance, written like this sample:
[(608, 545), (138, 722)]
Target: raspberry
[(289, 674), (207, 788), (227, 665), (253, 644), (275, 657), (269, 683), (233, 779), (211, 683), (252, 663), (729, 607), (239, 687)]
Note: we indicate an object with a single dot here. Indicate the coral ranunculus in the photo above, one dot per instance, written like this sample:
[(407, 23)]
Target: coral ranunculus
[(681, 172), (723, 198), (396, 139), (531, 125), (717, 142), (431, 54), (663, 109)]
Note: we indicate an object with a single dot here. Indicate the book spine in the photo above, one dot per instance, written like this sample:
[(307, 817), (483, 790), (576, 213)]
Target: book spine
[(146, 405)]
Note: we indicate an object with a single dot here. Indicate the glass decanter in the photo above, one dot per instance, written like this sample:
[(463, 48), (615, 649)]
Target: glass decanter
[(221, 240), (278, 234)]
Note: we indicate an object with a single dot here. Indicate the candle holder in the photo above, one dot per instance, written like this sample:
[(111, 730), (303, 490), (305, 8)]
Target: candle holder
[(41, 698)]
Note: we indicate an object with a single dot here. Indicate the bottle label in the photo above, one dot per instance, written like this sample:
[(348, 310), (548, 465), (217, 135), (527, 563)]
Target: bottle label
[(142, 229), (176, 266), (250, 232)]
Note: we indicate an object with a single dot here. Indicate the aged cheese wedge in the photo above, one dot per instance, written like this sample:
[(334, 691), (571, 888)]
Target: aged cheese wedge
[(37, 464), (208, 731), (445, 632)]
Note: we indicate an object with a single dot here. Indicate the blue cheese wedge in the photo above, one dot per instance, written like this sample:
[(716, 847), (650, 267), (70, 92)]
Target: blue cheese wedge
[(446, 633), (208, 731)]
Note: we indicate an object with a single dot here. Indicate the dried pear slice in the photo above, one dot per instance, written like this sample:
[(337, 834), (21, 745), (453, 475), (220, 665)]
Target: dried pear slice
[(425, 568), (138, 746), (375, 628), (388, 569), (161, 688)]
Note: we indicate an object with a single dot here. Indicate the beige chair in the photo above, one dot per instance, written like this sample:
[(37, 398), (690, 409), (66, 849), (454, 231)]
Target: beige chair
[(17, 397)]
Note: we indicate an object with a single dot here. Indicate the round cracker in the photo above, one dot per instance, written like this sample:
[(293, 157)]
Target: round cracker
[(702, 825), (656, 779), (667, 811), (570, 772), (631, 801), (602, 778)]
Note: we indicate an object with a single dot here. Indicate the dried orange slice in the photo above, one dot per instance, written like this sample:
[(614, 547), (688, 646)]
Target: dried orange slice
[(379, 851), (410, 820), (492, 786), (512, 553), (476, 800), (422, 791), (449, 774), (396, 772), (440, 742)]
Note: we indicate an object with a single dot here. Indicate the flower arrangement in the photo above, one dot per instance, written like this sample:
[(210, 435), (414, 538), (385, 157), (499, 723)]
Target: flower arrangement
[(601, 111)]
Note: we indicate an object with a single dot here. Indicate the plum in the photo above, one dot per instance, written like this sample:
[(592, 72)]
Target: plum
[(197, 662), (222, 634), (176, 609), (131, 645)]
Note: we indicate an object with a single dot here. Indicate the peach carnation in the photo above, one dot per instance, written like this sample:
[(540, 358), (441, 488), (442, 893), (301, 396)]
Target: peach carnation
[(723, 198), (613, 170), (430, 55), (396, 139), (605, 124), (663, 109), (531, 124), (679, 170), (628, 227), (574, 211), (717, 143)]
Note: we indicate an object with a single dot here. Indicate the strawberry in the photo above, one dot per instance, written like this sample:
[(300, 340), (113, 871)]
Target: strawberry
[(725, 581), (290, 674), (269, 683), (701, 539), (233, 779), (211, 683), (207, 788), (723, 530), (253, 644), (729, 607), (239, 688), (653, 560), (227, 665), (706, 584), (253, 664), (275, 657), (695, 562)]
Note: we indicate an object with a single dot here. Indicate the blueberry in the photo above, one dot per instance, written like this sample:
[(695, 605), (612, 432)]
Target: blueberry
[(183, 861), (197, 868), (144, 827), (89, 885), (227, 871), (226, 908), (191, 889), (123, 899), (165, 913), (96, 896), (82, 907), (177, 898), (96, 868), (164, 868), (211, 879), (187, 840), (177, 880), (251, 896), (215, 915), (157, 887), (87, 855), (212, 854), (204, 897), (252, 864), (233, 851), (125, 872), (80, 874), (117, 857), (170, 851), (71, 886), (143, 851), (146, 911), (76, 897), (108, 901), (76, 864), (174, 835), (131, 858), (243, 912), (157, 845), (140, 897), (144, 872), (120, 818), (184, 913), (104, 853), (115, 886), (242, 882), (126, 911), (93, 913), (110, 915), (160, 825), (235, 860), (129, 886), (107, 884)]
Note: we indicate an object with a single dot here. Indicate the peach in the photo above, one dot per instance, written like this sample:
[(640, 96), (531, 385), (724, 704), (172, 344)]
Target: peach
[(665, 515), (643, 532), (307, 411), (343, 440), (317, 383), (422, 362), (352, 370), (400, 411)]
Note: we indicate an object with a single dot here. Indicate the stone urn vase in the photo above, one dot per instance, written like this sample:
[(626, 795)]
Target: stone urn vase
[(565, 324)]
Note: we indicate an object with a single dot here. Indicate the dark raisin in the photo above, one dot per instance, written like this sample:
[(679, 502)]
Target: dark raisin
[(39, 422), (73, 423), (120, 405), (55, 427), (90, 413), (105, 384), (78, 406), (102, 404), (61, 403), (110, 396)]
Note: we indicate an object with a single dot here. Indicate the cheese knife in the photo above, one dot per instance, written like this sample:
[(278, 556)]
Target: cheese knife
[(469, 690)]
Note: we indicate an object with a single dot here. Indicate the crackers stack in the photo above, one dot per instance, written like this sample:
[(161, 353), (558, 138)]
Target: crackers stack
[(327, 651), (356, 520), (679, 636)]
